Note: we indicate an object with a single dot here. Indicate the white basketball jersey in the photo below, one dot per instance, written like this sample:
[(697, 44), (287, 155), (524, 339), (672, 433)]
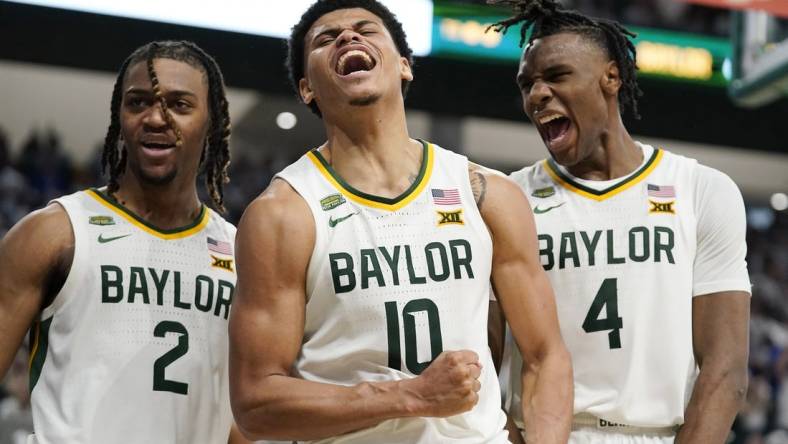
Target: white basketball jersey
[(394, 282), (134, 348), (625, 258)]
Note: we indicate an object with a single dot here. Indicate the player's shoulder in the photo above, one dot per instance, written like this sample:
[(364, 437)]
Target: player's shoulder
[(530, 176), (703, 176), (711, 182), (85, 200), (483, 170), (48, 220), (279, 203), (219, 222), (442, 153), (47, 231), (278, 219), (302, 167), (669, 158)]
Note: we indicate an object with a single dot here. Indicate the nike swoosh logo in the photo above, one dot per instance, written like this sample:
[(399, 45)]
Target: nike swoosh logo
[(537, 210), (333, 222), (104, 240)]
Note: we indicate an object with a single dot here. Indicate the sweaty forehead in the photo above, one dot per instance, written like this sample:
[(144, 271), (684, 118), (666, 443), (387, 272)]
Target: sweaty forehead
[(564, 48), (341, 19)]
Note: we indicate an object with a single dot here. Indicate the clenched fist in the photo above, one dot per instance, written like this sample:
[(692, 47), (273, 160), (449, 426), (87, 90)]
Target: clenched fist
[(449, 386)]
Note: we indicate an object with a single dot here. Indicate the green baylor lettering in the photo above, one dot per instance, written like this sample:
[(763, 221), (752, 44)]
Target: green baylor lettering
[(209, 295), (642, 244), (379, 267)]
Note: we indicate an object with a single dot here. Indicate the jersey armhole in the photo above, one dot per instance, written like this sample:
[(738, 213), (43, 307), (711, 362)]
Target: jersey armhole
[(320, 231), (75, 270)]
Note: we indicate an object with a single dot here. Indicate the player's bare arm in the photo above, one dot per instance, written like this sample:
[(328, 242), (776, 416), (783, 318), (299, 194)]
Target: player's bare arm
[(496, 323), (524, 293), (720, 340), (36, 255), (273, 247)]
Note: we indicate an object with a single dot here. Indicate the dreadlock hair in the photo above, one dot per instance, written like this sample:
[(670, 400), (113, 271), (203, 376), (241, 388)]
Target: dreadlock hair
[(216, 154), (546, 17), (295, 45)]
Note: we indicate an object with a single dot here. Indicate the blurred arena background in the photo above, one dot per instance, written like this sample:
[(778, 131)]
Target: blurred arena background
[(714, 74)]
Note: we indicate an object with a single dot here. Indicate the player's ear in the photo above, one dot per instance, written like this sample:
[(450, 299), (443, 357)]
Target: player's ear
[(405, 72), (305, 90), (611, 79)]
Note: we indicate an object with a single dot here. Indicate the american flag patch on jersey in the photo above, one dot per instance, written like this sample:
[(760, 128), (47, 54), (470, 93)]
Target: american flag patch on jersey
[(220, 247), (446, 196), (661, 191)]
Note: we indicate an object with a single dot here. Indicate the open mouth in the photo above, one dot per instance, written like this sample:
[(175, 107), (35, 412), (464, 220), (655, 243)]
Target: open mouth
[(354, 61), (554, 129), (158, 145)]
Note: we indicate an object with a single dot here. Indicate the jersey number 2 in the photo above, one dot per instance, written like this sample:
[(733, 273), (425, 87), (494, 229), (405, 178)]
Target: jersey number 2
[(409, 318), (606, 297), (160, 382)]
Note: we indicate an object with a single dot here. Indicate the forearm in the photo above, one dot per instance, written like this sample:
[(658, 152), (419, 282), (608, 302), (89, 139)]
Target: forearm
[(548, 398), (15, 320), (291, 408), (718, 396)]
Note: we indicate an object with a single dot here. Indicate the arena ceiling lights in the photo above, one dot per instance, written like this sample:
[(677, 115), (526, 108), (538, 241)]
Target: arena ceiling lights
[(266, 18)]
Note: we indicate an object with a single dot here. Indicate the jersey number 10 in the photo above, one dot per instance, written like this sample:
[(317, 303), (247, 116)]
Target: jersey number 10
[(409, 319)]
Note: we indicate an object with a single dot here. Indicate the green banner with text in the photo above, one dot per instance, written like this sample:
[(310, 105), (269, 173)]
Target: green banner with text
[(460, 31)]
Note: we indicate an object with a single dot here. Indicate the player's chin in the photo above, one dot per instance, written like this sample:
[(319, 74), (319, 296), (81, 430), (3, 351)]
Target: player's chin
[(158, 175), (364, 100)]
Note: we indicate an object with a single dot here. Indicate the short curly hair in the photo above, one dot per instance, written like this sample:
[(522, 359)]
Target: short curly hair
[(295, 45)]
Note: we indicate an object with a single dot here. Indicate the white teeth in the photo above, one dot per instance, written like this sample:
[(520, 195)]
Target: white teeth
[(550, 118), (354, 52)]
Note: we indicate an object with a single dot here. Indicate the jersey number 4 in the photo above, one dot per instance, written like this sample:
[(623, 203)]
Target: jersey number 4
[(607, 298), (409, 319), (160, 381)]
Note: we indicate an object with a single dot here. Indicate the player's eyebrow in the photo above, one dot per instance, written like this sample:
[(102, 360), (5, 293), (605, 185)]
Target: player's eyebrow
[(136, 91), (334, 31), (559, 67)]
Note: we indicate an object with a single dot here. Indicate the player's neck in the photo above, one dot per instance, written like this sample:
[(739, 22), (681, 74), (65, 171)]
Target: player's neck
[(615, 155), (368, 126), (373, 152), (167, 206), (372, 128)]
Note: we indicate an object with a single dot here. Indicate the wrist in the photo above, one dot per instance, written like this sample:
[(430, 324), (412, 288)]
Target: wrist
[(409, 398), (396, 398)]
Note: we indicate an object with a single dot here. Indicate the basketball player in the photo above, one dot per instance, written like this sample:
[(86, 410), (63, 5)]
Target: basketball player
[(364, 269), (130, 285), (645, 248)]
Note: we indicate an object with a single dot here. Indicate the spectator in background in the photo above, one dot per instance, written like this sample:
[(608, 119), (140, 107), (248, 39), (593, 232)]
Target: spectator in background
[(13, 189), (45, 165)]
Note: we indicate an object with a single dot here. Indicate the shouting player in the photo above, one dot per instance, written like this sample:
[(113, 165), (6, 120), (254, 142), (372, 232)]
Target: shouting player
[(645, 248), (365, 267)]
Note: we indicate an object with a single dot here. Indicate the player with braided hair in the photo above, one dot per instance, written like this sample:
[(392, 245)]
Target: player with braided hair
[(216, 157), (130, 285), (644, 248)]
